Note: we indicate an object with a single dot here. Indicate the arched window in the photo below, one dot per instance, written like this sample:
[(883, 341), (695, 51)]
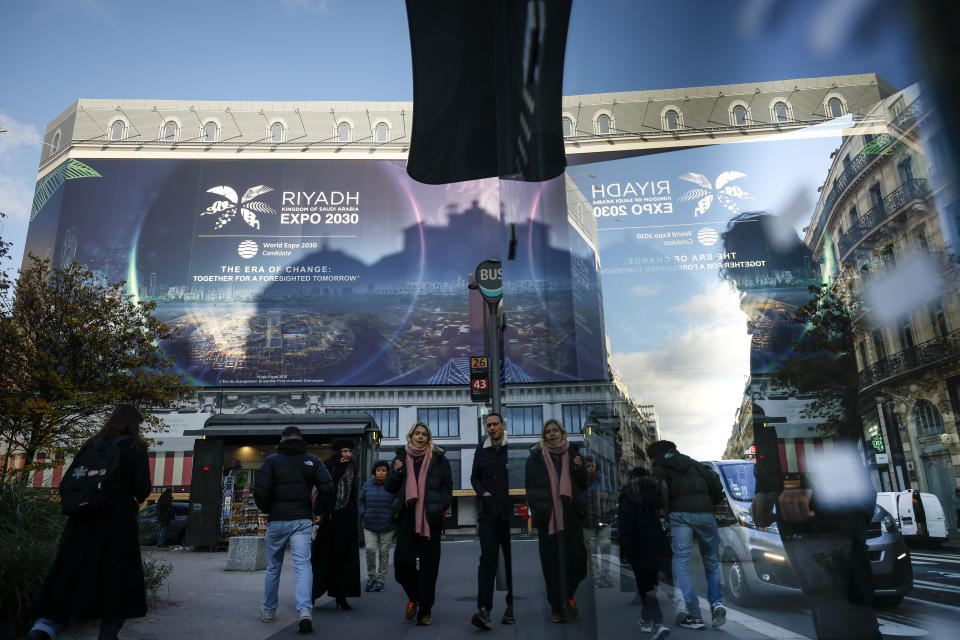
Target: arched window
[(672, 119), (567, 127), (210, 132), (170, 131), (382, 132), (780, 112), (926, 419), (343, 132), (740, 115), (56, 143), (276, 132), (835, 107), (603, 125), (117, 129)]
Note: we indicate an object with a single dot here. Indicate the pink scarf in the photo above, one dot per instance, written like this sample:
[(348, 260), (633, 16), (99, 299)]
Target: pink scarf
[(561, 488), (416, 487)]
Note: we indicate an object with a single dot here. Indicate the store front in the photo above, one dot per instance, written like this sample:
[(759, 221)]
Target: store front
[(230, 449)]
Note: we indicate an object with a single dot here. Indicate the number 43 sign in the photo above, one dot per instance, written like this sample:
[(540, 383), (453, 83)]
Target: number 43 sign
[(479, 379)]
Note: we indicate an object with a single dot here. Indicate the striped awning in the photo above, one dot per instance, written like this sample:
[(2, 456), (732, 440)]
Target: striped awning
[(167, 469), (795, 451)]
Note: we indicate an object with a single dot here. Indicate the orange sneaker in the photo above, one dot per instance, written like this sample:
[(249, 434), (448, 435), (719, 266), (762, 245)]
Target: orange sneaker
[(572, 609), (410, 611)]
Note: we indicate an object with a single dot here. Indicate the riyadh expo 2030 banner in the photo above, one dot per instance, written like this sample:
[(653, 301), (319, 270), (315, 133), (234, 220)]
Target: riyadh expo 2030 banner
[(329, 272)]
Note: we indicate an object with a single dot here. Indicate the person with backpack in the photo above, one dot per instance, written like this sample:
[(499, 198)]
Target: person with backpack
[(97, 572), (376, 509), (283, 490), (692, 493), (164, 514)]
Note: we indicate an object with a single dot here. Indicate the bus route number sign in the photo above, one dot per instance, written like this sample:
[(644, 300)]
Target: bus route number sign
[(479, 379)]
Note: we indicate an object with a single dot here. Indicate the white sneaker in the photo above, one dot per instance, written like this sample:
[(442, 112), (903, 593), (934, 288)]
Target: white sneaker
[(267, 616), (660, 631), (646, 627), (305, 621)]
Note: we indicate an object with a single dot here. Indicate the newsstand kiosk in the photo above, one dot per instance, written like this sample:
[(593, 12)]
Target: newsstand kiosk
[(231, 447)]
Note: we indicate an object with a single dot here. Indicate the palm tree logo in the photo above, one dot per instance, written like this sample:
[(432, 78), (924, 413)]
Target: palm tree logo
[(726, 194), (248, 209)]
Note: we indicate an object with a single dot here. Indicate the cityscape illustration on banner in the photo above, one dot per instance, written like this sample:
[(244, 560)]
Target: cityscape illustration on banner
[(328, 272)]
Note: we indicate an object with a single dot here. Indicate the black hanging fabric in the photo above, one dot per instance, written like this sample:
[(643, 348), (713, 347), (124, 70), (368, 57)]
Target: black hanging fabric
[(487, 89)]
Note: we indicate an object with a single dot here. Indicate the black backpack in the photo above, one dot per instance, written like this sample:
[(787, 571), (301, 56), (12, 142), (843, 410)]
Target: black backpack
[(93, 484)]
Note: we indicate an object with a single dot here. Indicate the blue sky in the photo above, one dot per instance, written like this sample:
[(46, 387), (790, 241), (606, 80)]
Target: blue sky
[(56, 51)]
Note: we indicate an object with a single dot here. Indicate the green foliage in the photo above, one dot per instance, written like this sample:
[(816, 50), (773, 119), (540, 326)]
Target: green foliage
[(71, 347), (155, 573), (823, 363), (30, 527)]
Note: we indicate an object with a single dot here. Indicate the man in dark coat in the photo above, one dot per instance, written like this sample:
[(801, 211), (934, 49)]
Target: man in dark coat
[(491, 482), (98, 572), (375, 507), (692, 493), (336, 550), (164, 514), (282, 490)]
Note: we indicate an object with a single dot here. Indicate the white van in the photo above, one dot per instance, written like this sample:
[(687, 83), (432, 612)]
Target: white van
[(919, 515)]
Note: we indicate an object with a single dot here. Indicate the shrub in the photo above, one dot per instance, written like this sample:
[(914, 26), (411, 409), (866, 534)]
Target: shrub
[(155, 573), (30, 527)]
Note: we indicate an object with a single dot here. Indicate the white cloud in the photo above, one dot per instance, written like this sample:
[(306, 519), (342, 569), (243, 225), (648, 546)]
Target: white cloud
[(305, 5), (695, 379), (19, 140), (643, 291)]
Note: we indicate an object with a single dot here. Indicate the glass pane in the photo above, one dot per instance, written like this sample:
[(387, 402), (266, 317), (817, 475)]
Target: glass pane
[(836, 108), (567, 128), (343, 133), (603, 125), (381, 132), (170, 131), (116, 132), (276, 133), (781, 112), (671, 119), (210, 132), (740, 115)]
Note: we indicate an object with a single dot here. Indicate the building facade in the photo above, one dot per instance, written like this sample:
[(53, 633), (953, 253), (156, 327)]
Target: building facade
[(272, 135), (884, 229)]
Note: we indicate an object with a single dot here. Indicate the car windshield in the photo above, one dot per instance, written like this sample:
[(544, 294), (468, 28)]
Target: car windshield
[(739, 480)]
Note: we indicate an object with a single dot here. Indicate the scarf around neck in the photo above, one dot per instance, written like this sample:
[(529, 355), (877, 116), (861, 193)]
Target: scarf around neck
[(416, 486), (344, 487), (561, 487)]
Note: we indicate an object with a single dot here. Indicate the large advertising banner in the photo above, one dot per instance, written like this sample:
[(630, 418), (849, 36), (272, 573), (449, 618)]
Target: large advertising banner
[(703, 267), (326, 272)]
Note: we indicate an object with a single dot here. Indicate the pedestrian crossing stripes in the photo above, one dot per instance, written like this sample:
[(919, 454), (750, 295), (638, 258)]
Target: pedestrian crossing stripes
[(935, 586)]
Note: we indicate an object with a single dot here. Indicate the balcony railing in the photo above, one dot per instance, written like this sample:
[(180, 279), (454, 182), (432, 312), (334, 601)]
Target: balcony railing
[(860, 161), (920, 355), (909, 116), (914, 189)]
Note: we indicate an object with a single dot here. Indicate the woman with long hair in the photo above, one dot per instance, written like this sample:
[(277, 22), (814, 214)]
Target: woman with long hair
[(420, 478), (335, 553), (98, 572), (556, 477)]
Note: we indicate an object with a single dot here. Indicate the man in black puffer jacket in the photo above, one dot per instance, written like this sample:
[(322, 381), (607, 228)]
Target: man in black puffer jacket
[(283, 488), (693, 491)]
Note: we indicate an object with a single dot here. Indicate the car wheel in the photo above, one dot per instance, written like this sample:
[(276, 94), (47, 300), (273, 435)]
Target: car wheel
[(736, 582), (887, 602)]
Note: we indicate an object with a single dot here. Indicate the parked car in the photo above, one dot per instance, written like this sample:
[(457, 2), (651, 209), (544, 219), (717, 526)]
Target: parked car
[(176, 530), (609, 519), (753, 559), (919, 515)]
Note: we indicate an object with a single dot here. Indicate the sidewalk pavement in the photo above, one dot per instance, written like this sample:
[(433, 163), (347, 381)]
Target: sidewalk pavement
[(202, 600)]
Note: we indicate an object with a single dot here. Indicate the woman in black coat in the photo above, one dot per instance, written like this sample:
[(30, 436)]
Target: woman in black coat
[(642, 540), (335, 553), (98, 572), (420, 477), (556, 477)]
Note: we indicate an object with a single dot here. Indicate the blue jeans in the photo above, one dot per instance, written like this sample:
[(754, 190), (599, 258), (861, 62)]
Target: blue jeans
[(161, 534), (297, 533), (109, 627), (683, 527)]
